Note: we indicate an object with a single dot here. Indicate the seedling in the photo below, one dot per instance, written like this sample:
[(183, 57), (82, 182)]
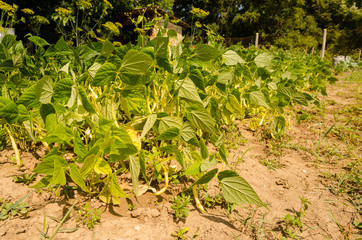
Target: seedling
[(25, 178), (14, 209), (294, 224), (88, 216), (181, 205)]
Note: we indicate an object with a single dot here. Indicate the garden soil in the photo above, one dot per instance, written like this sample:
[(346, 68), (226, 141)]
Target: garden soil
[(298, 173)]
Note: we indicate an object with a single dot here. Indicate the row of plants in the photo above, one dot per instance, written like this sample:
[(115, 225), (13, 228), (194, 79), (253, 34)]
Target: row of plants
[(147, 109)]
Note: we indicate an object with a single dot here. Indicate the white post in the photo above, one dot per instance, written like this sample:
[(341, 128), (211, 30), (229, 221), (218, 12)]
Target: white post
[(324, 42), (257, 40)]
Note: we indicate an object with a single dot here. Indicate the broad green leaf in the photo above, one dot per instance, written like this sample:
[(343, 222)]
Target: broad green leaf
[(135, 168), (115, 189), (169, 122), (264, 60), (149, 124), (107, 49), (235, 103), (44, 182), (299, 98), (187, 89), (204, 52), (46, 166), (208, 163), (88, 164), (237, 190), (187, 131), (197, 78), (102, 167), (28, 98), (203, 149), (258, 98), (79, 147), (84, 99), (38, 41), (193, 170), (202, 119), (60, 134), (65, 68), (44, 89), (287, 92), (223, 153), (207, 177), (231, 58), (169, 134), (77, 178), (23, 113), (105, 75), (63, 89), (8, 110), (225, 78), (161, 47), (58, 176), (136, 62), (277, 126)]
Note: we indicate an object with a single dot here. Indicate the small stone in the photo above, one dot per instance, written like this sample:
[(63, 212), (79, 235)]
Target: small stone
[(137, 212), (21, 231)]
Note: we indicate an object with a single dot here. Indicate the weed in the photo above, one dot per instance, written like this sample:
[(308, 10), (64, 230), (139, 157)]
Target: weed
[(25, 178), (181, 205), (271, 163), (293, 224), (14, 209), (88, 216), (180, 234)]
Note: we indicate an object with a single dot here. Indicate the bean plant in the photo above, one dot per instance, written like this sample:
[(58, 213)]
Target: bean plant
[(101, 111)]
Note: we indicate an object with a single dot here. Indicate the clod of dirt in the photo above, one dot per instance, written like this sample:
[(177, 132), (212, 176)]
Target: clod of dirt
[(282, 182), (145, 212)]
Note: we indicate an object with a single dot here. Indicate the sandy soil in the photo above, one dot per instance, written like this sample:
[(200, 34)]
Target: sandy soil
[(301, 170)]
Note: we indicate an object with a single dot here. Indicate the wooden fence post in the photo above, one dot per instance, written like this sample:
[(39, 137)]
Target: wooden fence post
[(324, 42), (257, 40)]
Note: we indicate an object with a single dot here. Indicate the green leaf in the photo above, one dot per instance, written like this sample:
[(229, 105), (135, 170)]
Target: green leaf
[(135, 168), (169, 122), (204, 52), (207, 177), (169, 134), (231, 58), (142, 161), (88, 164), (202, 119), (299, 98), (277, 126), (208, 163), (225, 78), (8, 110), (136, 62), (197, 78), (223, 153), (105, 75), (46, 166), (28, 98), (102, 167), (84, 99), (264, 60), (44, 89), (161, 47), (63, 89), (187, 89), (58, 176), (38, 41), (79, 147), (193, 170), (107, 49), (203, 148), (237, 190), (187, 131), (258, 98), (148, 125), (23, 113), (77, 177), (115, 189)]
